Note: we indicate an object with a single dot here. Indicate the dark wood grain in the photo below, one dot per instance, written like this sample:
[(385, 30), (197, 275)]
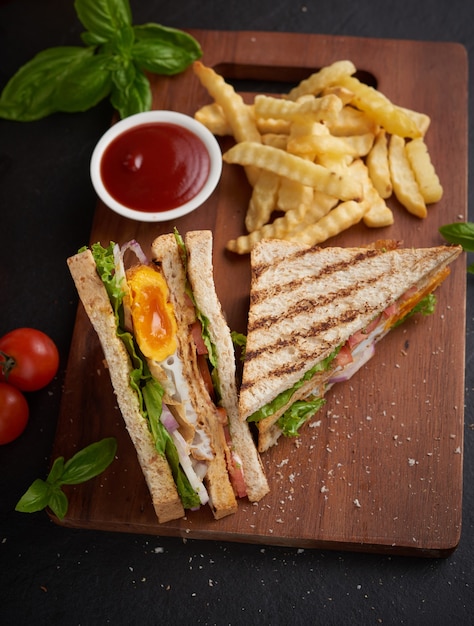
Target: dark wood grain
[(380, 469)]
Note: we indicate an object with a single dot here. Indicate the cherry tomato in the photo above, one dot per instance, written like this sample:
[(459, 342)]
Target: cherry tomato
[(29, 359), (14, 413)]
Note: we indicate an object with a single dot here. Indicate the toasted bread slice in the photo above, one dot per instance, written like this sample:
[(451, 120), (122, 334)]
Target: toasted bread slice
[(155, 467), (200, 274)]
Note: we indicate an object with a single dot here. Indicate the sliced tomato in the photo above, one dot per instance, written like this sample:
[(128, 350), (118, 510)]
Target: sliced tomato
[(391, 310), (223, 419), (344, 356), (237, 478), (206, 374), (408, 294), (361, 335), (372, 325), (196, 330), (234, 468)]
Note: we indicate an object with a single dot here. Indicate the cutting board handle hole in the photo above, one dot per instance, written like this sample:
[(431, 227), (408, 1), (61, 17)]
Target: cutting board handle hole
[(273, 79)]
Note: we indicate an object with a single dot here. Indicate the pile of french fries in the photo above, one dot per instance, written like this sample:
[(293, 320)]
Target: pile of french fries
[(323, 157)]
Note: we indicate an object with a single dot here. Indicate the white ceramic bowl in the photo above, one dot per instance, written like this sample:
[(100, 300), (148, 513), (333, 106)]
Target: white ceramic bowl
[(149, 117)]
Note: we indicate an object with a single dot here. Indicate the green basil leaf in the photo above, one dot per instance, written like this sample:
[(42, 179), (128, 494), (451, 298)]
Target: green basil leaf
[(56, 471), (35, 498), (461, 233), (470, 268), (89, 462), (58, 502), (122, 42), (85, 86), (163, 50), (132, 98), (124, 74), (92, 40), (32, 92), (103, 18)]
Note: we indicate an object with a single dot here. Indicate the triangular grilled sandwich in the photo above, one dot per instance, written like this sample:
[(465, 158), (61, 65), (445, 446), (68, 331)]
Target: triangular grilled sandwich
[(315, 316)]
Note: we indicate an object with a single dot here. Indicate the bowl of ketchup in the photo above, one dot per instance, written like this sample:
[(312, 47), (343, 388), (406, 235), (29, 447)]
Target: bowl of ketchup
[(156, 166)]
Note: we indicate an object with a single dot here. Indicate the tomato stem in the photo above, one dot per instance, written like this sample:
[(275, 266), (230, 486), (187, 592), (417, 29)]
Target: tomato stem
[(7, 364)]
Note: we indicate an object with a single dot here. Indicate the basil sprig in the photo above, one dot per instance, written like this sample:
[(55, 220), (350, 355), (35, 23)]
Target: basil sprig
[(113, 64), (461, 233), (84, 465)]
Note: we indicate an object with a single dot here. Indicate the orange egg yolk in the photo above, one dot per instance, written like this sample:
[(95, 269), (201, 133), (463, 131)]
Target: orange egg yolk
[(154, 323)]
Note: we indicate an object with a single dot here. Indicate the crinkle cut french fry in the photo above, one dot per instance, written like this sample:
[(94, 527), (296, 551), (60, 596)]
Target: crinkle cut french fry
[(319, 207), (394, 119), (421, 120), (335, 162), (273, 126), (341, 92), (325, 77), (379, 214), (353, 145), (296, 168), (262, 201), (321, 109), (213, 118), (425, 174), (377, 163), (339, 219), (277, 229), (292, 194), (303, 128), (351, 121), (276, 140), (239, 116), (403, 179)]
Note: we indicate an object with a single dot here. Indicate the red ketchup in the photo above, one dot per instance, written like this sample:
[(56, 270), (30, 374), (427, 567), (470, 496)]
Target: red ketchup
[(156, 166)]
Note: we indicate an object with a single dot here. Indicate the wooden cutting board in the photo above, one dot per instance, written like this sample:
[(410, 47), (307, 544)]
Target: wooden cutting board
[(380, 468)]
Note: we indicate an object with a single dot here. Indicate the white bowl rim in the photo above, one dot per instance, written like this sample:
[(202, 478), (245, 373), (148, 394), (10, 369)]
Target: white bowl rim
[(146, 117)]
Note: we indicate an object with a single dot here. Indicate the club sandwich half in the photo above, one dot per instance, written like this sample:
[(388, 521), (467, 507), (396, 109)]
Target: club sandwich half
[(171, 361), (315, 316)]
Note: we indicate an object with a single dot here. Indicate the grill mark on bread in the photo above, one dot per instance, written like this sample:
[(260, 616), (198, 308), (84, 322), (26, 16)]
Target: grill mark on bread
[(323, 274), (309, 304), (294, 339)]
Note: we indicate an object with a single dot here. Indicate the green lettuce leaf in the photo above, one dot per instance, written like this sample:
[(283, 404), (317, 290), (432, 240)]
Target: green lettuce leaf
[(298, 413), (285, 396), (425, 306)]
